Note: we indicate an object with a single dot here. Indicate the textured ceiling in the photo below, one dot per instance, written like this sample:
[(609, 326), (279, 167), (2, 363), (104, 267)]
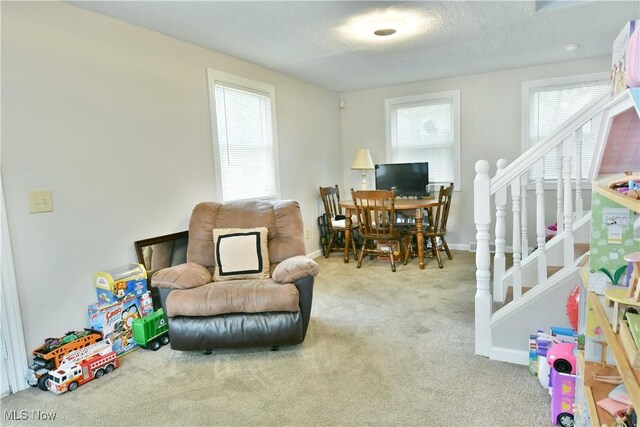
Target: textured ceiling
[(307, 39)]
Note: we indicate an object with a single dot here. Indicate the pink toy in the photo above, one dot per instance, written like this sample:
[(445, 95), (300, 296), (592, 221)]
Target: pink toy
[(562, 358), (572, 307), (563, 395), (633, 60)]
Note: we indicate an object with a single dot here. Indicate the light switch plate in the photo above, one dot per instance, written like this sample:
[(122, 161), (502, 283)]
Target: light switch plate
[(40, 201)]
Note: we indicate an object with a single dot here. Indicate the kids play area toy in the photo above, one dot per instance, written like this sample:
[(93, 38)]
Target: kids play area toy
[(151, 331), (562, 358), (563, 393), (573, 302), (69, 376), (51, 354), (114, 320), (121, 283)]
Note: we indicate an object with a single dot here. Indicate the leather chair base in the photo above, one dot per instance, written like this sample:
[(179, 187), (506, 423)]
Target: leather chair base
[(235, 330)]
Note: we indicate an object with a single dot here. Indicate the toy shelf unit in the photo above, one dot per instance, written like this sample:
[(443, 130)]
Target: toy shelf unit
[(598, 390), (615, 238)]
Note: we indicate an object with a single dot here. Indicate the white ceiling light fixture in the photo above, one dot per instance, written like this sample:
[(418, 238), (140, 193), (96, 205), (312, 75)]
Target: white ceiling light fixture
[(386, 24)]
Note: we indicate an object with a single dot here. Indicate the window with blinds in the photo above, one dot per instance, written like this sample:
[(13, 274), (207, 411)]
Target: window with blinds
[(244, 140), (552, 104), (426, 128)]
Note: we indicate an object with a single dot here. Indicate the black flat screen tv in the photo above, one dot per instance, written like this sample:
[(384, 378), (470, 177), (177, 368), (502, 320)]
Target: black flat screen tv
[(410, 179)]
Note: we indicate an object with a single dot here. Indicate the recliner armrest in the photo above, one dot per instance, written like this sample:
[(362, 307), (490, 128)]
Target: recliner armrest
[(295, 268), (184, 276), (305, 290)]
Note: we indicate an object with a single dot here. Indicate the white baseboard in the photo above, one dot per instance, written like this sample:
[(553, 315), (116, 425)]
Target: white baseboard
[(518, 357), (473, 246), (458, 246), (315, 254)]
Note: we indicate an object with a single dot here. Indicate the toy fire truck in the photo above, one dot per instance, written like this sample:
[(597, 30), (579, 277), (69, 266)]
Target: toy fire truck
[(51, 354), (83, 366)]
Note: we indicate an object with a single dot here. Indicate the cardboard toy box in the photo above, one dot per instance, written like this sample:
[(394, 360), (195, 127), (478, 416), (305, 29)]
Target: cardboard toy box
[(114, 320), (620, 56), (120, 283)]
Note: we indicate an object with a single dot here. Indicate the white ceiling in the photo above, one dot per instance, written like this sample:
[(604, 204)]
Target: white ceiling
[(306, 39)]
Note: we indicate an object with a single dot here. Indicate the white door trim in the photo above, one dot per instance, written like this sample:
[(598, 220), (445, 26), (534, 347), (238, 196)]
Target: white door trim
[(10, 317)]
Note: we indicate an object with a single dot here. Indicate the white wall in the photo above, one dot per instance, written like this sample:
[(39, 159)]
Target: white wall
[(490, 129), (114, 119)]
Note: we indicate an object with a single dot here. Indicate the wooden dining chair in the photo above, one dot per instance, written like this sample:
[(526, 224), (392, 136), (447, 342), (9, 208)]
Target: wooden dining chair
[(336, 222), (375, 210), (437, 228)]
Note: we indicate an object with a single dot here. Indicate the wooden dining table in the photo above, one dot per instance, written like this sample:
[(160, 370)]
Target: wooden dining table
[(416, 205)]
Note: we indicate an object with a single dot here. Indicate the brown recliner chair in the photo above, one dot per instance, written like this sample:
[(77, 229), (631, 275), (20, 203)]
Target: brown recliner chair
[(247, 281)]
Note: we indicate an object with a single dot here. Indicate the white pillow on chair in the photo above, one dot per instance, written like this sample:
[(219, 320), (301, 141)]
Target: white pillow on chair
[(240, 253)]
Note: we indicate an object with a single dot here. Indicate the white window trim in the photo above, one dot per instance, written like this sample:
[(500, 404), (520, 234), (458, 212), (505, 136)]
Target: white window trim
[(527, 86), (452, 94), (556, 81), (214, 76)]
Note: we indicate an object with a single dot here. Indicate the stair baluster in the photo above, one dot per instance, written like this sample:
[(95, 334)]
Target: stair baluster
[(524, 180), (499, 260), (579, 201), (559, 209), (517, 243), (541, 230), (568, 148)]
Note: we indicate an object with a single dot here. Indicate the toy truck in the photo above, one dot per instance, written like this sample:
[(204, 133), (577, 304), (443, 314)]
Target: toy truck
[(69, 376), (49, 356), (151, 331)]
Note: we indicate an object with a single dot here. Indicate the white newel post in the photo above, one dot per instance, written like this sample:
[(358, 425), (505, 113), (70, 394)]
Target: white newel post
[(517, 239), (482, 218), (499, 260), (559, 210), (579, 202), (568, 150), (524, 180), (541, 230)]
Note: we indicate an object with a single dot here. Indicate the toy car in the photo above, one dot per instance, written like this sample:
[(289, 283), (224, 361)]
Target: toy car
[(562, 358)]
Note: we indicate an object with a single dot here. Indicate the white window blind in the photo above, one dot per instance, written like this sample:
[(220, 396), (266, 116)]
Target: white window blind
[(550, 106), (425, 128), (245, 142)]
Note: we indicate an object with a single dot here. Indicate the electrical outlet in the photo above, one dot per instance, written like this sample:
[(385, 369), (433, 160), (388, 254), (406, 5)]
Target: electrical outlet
[(40, 201), (307, 235)]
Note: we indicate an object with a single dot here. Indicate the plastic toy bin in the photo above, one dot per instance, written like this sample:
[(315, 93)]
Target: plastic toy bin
[(120, 283)]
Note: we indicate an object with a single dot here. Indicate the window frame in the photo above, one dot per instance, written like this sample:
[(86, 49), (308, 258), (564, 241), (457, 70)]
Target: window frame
[(454, 97), (242, 83), (528, 86)]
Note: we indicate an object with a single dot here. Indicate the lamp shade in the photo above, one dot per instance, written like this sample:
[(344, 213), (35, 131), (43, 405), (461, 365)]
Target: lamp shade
[(362, 160)]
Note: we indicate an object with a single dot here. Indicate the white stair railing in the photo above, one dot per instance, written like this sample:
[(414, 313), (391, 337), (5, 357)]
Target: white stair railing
[(566, 143)]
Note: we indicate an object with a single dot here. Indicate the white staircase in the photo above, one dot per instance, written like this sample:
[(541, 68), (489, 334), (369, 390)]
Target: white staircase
[(539, 280)]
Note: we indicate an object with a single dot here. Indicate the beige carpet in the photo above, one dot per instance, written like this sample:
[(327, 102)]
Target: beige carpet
[(382, 349)]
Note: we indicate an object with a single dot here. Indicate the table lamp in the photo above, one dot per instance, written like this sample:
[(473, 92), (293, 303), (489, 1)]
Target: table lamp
[(363, 162)]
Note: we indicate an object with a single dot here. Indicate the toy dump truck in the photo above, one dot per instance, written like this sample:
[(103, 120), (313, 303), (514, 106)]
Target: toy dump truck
[(50, 355), (151, 331)]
